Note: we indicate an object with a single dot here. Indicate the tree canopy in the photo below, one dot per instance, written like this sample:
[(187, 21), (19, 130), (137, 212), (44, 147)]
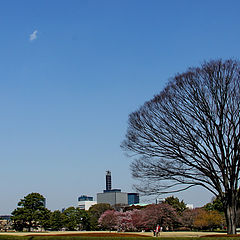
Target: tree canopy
[(31, 213), (178, 205), (96, 211), (57, 220), (75, 218), (147, 218), (189, 135)]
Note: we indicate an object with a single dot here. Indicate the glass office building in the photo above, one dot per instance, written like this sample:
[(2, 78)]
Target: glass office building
[(133, 198), (85, 198)]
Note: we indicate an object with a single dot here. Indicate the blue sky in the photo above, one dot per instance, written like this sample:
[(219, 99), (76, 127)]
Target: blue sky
[(72, 71)]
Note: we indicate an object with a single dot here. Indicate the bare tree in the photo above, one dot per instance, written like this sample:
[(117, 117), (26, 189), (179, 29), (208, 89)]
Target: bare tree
[(189, 135)]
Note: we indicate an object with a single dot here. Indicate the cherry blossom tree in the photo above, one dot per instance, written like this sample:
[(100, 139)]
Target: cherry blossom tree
[(108, 220), (160, 214)]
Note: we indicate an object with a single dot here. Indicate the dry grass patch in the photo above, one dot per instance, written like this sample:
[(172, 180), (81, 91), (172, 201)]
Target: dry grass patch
[(93, 234)]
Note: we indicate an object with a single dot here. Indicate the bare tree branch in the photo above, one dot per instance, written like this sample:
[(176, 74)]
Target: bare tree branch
[(189, 135)]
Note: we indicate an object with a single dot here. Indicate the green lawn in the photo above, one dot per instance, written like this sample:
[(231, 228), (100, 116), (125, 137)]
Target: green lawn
[(8, 237)]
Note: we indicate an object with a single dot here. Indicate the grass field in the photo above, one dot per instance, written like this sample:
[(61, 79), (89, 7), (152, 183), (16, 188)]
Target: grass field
[(114, 236)]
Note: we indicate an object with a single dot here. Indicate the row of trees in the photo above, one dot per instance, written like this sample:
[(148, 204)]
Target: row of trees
[(147, 218), (32, 214), (165, 215)]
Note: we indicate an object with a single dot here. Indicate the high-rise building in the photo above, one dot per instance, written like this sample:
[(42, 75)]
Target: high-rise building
[(108, 181), (115, 196), (111, 196)]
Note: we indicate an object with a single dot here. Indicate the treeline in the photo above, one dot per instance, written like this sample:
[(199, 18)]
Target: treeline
[(164, 215), (31, 214)]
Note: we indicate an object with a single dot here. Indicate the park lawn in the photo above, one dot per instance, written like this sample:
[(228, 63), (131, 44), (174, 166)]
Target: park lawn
[(10, 237), (115, 236)]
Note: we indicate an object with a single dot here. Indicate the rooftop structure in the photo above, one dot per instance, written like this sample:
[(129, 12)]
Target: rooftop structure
[(108, 181), (85, 198)]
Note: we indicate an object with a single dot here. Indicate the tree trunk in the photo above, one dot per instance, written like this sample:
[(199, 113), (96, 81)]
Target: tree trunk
[(231, 214)]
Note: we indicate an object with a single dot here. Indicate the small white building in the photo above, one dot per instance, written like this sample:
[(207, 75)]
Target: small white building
[(85, 202), (85, 205), (189, 206)]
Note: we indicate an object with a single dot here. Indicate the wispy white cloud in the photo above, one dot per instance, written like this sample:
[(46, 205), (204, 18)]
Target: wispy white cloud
[(33, 35)]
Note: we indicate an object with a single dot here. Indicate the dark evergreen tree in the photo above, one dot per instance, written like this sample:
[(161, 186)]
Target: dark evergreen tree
[(31, 213)]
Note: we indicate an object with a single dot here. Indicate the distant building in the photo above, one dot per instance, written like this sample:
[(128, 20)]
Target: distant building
[(115, 196), (140, 204), (85, 205), (112, 190), (108, 181), (5, 223), (160, 200), (5, 217), (133, 198), (85, 198), (189, 206), (85, 202)]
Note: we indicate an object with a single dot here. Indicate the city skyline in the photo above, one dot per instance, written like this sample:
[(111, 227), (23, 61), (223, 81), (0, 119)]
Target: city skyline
[(72, 71)]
